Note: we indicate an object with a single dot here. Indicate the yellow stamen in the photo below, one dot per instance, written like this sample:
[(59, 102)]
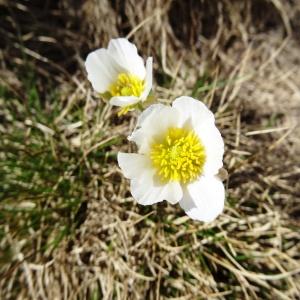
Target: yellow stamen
[(178, 156), (127, 85), (124, 110)]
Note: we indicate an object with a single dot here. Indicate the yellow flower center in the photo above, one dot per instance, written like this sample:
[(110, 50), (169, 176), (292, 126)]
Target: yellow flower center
[(127, 85), (178, 156)]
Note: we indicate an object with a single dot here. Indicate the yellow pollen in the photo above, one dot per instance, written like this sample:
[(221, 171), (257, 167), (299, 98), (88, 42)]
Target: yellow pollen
[(124, 110), (127, 85), (178, 156)]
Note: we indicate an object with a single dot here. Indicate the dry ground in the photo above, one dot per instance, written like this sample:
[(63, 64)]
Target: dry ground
[(69, 228)]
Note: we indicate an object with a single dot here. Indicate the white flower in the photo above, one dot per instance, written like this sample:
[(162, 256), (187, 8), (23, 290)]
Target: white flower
[(119, 73), (180, 152)]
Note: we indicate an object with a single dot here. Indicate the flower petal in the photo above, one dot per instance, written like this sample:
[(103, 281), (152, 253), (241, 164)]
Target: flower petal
[(102, 70), (192, 110), (144, 188), (202, 120), (213, 143), (145, 118), (146, 191), (203, 199), (125, 54), (123, 100), (132, 164), (153, 122), (173, 193), (148, 79)]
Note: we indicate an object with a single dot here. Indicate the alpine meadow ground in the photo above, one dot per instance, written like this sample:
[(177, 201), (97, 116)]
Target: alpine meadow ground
[(69, 227)]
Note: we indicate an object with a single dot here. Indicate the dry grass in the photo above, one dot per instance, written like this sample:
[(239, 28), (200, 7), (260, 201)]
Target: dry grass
[(69, 227)]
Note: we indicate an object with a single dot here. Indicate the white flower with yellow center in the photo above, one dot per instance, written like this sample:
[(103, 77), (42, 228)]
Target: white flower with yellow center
[(119, 73), (180, 152)]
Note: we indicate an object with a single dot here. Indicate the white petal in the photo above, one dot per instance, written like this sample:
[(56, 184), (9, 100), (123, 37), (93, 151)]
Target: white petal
[(213, 143), (148, 79), (132, 164), (147, 191), (125, 54), (145, 115), (102, 70), (153, 124), (123, 100), (194, 111), (203, 199), (174, 192), (160, 119), (145, 188), (201, 119)]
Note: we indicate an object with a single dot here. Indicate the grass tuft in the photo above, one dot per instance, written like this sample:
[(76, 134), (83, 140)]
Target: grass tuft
[(69, 228)]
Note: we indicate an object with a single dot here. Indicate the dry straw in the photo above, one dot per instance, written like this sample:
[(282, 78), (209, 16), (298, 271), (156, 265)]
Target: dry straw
[(242, 59)]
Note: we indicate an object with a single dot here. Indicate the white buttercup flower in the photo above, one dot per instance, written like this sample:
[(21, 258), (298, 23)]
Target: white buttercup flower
[(180, 152), (119, 73)]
